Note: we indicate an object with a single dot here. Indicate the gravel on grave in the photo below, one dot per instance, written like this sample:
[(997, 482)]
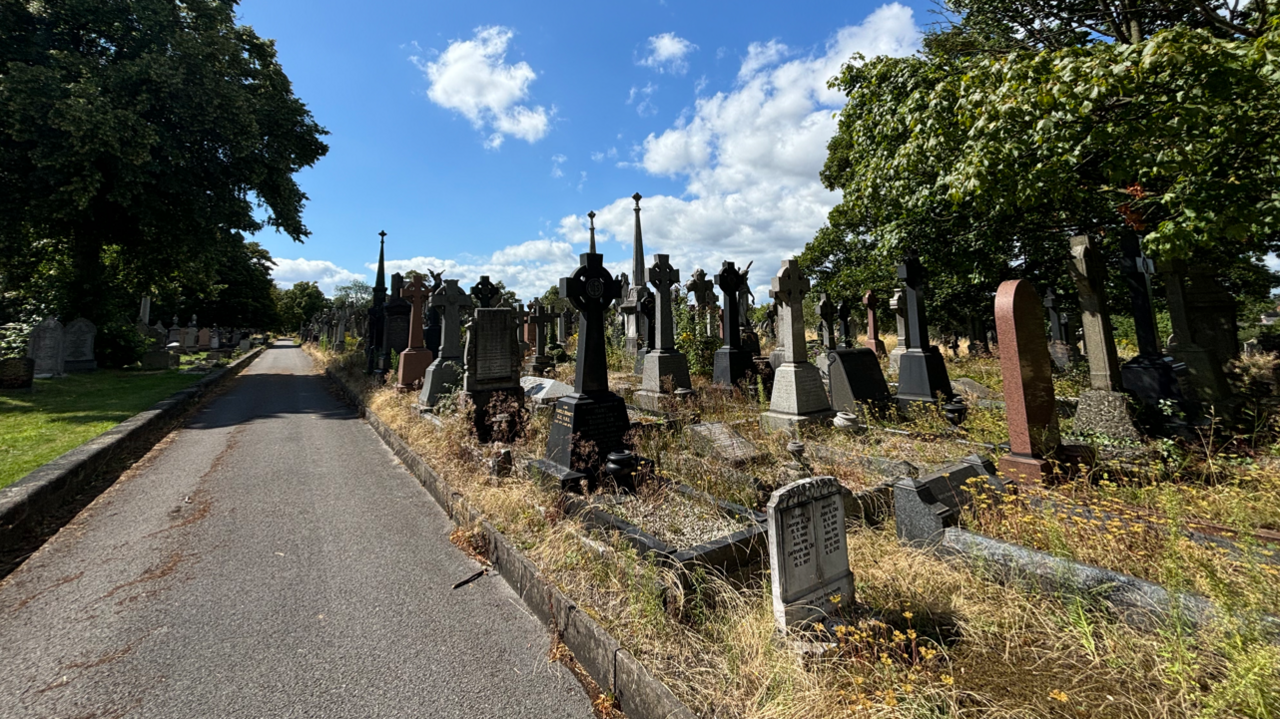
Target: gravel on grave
[(674, 517)]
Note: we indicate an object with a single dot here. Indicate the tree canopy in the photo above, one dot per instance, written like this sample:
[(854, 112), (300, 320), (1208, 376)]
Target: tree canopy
[(1027, 122)]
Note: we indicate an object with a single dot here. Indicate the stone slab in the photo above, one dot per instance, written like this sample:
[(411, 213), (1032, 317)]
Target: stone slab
[(924, 507), (718, 439), (808, 552)]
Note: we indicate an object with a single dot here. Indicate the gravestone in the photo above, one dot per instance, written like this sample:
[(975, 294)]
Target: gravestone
[(637, 325), (798, 396), (852, 374), (733, 363), (215, 339), (924, 507), (522, 325), (45, 347), (156, 335), (202, 339), (395, 338), (645, 309), (1151, 377), (446, 370), (922, 374), (591, 422), (415, 358), (540, 318), (175, 332), (666, 371), (492, 379), (543, 390), (564, 325), (1204, 367), (1027, 372), (844, 320), (246, 344), (1061, 351), (808, 552), (717, 439), (159, 360), (484, 293), (874, 343), (1102, 409), (77, 346), (899, 308), (704, 298)]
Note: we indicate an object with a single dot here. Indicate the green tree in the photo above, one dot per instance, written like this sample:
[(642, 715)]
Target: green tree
[(357, 294), (1024, 124), (299, 304), (135, 137)]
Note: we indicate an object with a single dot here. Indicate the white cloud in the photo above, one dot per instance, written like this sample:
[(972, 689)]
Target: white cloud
[(556, 161), (645, 107), (667, 53), (473, 78), (323, 272), (528, 268), (750, 158)]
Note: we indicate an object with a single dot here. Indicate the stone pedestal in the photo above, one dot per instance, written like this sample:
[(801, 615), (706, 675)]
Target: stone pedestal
[(584, 430), (660, 365), (731, 366), (413, 367), (1106, 413), (855, 378), (922, 376), (799, 398)]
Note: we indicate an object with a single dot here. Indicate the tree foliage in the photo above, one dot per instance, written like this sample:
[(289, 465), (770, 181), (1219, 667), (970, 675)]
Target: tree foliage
[(299, 304), (1028, 122)]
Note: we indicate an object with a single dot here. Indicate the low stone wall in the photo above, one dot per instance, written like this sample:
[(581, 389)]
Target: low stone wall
[(640, 694), (27, 504)]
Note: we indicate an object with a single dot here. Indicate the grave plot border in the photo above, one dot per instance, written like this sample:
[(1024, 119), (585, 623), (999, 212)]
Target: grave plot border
[(31, 503), (640, 694), (741, 551)]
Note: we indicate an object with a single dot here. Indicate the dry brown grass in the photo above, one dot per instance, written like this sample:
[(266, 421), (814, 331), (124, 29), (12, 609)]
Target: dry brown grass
[(931, 639)]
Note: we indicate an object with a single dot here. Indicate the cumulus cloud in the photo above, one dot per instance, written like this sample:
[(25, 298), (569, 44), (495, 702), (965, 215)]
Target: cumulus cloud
[(667, 52), (323, 272), (750, 156), (472, 77), (527, 268)]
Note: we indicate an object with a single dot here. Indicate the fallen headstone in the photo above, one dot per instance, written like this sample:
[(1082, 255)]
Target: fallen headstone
[(720, 440), (923, 507)]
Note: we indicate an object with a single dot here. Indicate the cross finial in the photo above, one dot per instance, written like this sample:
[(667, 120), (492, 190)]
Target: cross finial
[(383, 235), (591, 216), (637, 197)]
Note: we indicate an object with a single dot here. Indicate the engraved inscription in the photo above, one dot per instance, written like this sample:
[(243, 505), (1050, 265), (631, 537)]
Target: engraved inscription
[(800, 538), (832, 525), (493, 356)]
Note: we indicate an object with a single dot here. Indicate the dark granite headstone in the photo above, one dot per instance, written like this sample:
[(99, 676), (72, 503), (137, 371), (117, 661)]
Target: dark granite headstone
[(922, 374), (733, 363), (923, 507)]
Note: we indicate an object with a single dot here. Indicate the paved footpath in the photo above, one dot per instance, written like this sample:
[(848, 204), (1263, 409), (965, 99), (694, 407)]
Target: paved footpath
[(269, 559)]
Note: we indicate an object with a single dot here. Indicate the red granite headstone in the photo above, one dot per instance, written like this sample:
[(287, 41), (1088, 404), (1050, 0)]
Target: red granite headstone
[(873, 328), (1027, 370), (416, 358)]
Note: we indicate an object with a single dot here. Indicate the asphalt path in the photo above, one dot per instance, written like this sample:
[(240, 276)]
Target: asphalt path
[(271, 558)]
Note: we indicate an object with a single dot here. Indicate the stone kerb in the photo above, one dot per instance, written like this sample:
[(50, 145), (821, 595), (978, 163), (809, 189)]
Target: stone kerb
[(808, 552)]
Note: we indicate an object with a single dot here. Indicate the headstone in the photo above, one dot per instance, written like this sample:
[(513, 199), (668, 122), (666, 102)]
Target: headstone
[(592, 422), (1205, 369), (159, 360), (808, 552), (1102, 409), (540, 318), (77, 346), (1027, 372), (446, 370), (874, 343), (522, 326), (922, 374), (923, 508), (45, 346), (484, 293), (1061, 351), (175, 332), (798, 394), (719, 440), (144, 312), (215, 339), (246, 344), (492, 380), (899, 308), (636, 323), (733, 363), (415, 358), (704, 297), (396, 329), (666, 371), (844, 320), (646, 307)]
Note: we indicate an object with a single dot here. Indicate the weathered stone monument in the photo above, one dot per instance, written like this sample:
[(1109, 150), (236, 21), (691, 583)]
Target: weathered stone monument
[(1102, 409), (484, 293), (808, 553), (77, 346), (636, 322), (540, 318), (666, 371), (1027, 371), (844, 319), (492, 379), (924, 508), (798, 393), (203, 337), (899, 308), (922, 374), (854, 379), (732, 364), (1205, 368), (646, 309), (1061, 350), (45, 347), (415, 359), (704, 298), (374, 340), (446, 370), (874, 343), (395, 338), (590, 424)]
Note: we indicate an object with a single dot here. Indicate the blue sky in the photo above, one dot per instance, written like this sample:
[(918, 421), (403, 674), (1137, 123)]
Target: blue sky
[(478, 135)]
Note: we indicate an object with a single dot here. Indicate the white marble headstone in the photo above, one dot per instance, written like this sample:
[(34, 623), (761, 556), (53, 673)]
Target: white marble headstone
[(808, 551)]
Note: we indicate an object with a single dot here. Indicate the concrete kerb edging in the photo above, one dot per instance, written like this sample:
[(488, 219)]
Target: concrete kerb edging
[(640, 694), (26, 502)]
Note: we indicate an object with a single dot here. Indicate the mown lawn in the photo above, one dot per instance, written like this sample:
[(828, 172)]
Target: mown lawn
[(61, 414)]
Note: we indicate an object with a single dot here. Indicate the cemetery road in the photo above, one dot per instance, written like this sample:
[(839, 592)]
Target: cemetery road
[(271, 558)]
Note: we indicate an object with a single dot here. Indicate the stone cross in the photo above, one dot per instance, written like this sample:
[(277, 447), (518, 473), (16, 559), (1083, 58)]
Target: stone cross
[(1137, 269), (827, 311), (730, 282), (873, 328), (789, 288), (450, 299), (521, 321), (662, 276), (1027, 372), (844, 318), (540, 317), (808, 552), (1090, 277), (417, 293), (1057, 331), (484, 293), (591, 289), (704, 296), (911, 272)]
